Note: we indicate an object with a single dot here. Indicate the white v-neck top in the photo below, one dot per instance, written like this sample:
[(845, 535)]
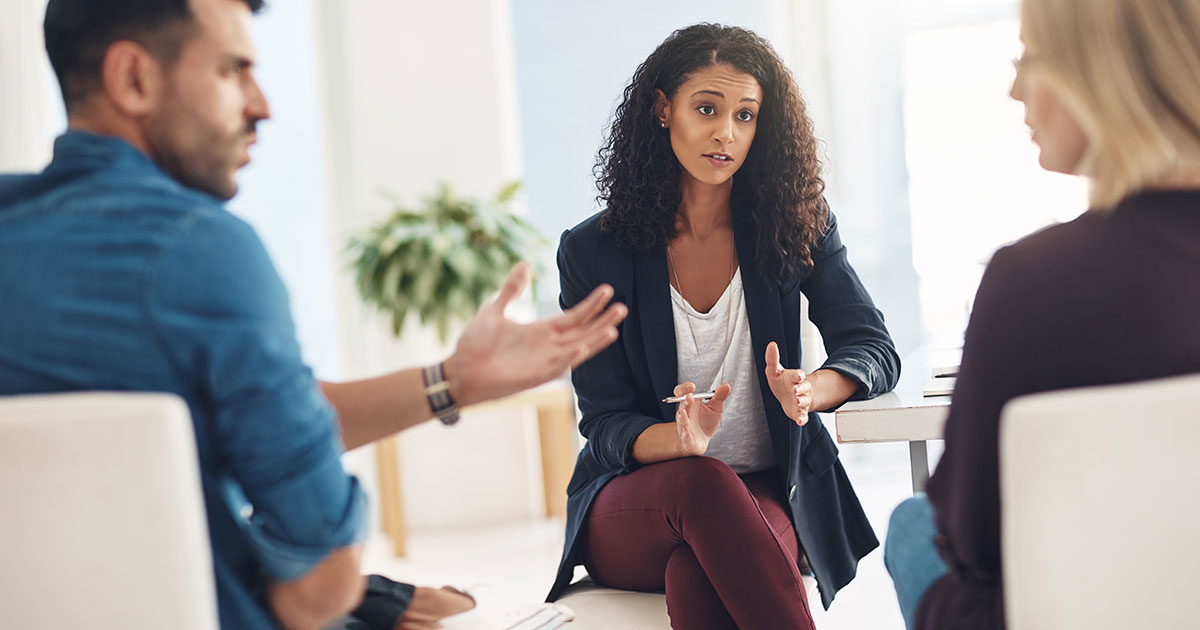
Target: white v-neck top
[(741, 440)]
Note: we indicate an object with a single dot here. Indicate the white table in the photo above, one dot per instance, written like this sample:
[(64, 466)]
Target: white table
[(903, 414)]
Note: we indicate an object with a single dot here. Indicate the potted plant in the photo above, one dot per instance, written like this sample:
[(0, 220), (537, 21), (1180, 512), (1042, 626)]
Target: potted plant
[(442, 259)]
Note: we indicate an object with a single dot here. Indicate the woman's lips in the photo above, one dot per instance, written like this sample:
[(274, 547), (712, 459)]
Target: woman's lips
[(719, 160)]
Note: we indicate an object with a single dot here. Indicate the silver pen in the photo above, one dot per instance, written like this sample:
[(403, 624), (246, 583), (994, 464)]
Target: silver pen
[(705, 397)]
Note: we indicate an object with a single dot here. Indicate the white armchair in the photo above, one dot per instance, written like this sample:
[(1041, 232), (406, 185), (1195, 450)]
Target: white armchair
[(103, 524), (1101, 507)]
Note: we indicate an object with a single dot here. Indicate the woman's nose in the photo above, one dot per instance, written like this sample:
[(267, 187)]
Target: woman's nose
[(724, 131)]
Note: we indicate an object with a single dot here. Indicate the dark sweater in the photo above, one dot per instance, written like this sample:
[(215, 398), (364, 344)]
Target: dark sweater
[(1107, 298)]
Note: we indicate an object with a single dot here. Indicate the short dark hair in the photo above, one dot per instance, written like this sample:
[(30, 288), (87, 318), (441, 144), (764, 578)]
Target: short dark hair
[(79, 32)]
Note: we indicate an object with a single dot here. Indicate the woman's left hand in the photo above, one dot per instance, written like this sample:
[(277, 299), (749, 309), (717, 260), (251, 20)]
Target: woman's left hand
[(790, 387)]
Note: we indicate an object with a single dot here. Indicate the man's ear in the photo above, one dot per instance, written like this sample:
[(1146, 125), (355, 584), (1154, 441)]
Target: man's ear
[(662, 109), (132, 78)]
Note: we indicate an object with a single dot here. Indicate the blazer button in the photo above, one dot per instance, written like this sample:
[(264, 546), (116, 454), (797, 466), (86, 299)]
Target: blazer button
[(791, 492)]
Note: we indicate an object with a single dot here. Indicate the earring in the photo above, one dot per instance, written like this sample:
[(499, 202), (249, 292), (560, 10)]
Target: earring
[(662, 124)]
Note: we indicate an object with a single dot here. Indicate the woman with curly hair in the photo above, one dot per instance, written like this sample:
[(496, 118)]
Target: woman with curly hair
[(713, 227)]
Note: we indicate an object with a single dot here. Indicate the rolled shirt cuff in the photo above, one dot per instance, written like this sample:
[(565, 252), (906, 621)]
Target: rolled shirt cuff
[(284, 560)]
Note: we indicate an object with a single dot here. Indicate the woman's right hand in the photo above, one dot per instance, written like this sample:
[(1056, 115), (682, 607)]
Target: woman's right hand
[(696, 422)]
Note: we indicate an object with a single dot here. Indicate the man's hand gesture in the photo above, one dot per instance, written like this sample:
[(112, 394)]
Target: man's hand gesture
[(496, 356)]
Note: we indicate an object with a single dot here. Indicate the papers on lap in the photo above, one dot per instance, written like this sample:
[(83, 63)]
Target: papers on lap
[(492, 612)]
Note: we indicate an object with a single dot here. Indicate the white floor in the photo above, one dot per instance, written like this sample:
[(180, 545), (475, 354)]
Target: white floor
[(519, 559)]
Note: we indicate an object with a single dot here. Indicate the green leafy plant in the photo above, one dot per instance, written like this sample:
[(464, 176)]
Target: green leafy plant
[(442, 259)]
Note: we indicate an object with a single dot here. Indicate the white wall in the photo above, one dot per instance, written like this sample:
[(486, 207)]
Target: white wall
[(31, 112), (416, 94), (284, 192), (867, 181)]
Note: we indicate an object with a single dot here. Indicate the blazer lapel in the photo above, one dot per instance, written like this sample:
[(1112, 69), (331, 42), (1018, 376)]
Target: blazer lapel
[(763, 311), (658, 324)]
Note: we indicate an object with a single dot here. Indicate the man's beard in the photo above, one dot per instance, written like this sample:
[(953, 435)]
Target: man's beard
[(195, 162)]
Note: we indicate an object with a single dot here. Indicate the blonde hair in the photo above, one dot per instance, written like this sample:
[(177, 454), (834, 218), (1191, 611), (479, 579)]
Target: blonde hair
[(1130, 72)]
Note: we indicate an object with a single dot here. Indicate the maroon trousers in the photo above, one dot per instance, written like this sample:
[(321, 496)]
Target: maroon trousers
[(721, 546)]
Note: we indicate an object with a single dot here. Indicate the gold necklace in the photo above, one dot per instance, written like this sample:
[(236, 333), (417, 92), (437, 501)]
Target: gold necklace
[(728, 305)]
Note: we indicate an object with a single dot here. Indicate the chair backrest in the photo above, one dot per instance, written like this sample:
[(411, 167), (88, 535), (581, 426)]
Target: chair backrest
[(1101, 510), (103, 515)]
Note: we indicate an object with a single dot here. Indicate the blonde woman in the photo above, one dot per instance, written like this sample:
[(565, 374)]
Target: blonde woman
[(1111, 90)]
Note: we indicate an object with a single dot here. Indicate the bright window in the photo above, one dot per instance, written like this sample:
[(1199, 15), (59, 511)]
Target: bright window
[(974, 180)]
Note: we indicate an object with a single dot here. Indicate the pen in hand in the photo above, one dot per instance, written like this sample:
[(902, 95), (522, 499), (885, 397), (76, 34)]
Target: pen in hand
[(705, 397)]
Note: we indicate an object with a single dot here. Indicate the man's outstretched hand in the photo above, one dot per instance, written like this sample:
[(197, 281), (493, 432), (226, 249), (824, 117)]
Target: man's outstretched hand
[(496, 356)]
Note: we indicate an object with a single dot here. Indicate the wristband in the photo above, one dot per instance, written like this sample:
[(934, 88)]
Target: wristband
[(437, 391)]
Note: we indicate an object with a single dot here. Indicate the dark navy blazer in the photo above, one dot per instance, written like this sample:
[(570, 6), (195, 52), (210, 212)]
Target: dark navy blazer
[(620, 389)]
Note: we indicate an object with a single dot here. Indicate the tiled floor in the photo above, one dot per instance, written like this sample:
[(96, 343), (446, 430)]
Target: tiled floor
[(519, 559)]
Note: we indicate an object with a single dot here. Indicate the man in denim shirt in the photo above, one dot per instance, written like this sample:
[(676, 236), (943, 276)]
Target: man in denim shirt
[(122, 270)]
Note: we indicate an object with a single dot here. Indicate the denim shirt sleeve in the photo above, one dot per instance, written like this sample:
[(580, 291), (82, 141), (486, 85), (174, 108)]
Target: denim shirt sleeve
[(221, 312), (856, 340)]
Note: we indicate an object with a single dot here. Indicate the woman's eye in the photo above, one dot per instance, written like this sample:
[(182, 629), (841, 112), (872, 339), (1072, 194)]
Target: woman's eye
[(745, 116), (707, 110)]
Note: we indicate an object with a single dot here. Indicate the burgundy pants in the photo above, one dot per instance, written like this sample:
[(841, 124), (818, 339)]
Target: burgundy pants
[(720, 545)]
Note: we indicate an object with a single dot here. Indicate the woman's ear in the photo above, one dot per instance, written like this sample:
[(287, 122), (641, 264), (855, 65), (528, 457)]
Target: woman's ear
[(662, 109)]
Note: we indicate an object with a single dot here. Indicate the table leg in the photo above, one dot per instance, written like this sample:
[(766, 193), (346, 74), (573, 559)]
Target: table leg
[(391, 496), (919, 460), (559, 446)]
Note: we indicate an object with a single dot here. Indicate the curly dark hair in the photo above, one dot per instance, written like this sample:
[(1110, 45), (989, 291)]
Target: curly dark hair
[(780, 184)]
